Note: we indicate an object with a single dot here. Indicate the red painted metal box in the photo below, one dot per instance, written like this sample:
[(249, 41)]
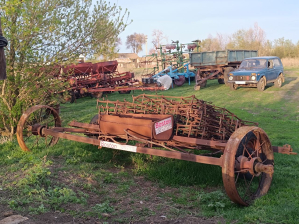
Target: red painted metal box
[(150, 126)]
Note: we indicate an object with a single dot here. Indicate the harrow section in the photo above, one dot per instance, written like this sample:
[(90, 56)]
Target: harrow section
[(178, 128), (193, 118)]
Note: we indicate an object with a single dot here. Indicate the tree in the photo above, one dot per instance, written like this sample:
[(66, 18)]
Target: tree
[(158, 37), (43, 34), (251, 39), (214, 43), (135, 42), (284, 48)]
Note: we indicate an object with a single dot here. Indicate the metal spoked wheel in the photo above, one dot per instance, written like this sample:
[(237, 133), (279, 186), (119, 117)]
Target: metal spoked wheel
[(248, 165), (180, 81), (29, 129)]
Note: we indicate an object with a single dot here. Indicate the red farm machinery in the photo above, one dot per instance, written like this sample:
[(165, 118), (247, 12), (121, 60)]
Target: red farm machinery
[(95, 78)]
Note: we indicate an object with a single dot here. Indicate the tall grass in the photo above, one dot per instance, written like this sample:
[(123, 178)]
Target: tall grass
[(290, 62)]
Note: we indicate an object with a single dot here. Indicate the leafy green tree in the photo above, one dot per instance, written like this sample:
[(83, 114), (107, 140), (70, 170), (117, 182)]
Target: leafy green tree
[(135, 42), (251, 39), (44, 34), (284, 48)]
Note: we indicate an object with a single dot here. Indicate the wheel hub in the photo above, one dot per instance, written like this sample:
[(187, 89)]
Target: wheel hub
[(254, 166)]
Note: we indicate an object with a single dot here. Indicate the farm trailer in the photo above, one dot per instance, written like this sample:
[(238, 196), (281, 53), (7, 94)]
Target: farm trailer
[(179, 127), (217, 64)]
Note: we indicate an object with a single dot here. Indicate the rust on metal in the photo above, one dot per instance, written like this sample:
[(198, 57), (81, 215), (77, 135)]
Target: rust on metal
[(178, 128), (95, 78), (34, 117), (286, 149)]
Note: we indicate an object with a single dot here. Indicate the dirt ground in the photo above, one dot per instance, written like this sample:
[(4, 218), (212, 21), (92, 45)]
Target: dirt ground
[(159, 208)]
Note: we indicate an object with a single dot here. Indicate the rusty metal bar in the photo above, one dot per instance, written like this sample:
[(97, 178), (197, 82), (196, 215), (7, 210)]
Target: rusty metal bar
[(149, 151), (76, 138), (73, 130), (202, 142), (286, 149), (124, 88), (181, 156), (85, 125)]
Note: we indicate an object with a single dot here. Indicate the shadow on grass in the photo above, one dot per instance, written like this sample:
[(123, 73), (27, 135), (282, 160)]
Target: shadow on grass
[(288, 80)]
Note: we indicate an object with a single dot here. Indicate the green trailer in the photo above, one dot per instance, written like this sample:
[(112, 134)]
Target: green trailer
[(217, 64)]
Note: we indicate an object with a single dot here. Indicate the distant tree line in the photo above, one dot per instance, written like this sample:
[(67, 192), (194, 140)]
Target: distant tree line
[(252, 39)]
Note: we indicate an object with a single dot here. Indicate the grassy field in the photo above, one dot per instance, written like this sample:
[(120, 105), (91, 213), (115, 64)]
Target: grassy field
[(76, 182)]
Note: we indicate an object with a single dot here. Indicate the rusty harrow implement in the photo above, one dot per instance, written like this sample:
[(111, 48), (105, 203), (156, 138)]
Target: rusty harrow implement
[(88, 78), (173, 127)]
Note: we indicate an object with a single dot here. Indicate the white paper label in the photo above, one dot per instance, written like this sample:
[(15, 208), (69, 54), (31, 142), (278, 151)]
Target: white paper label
[(240, 82), (163, 125), (113, 145)]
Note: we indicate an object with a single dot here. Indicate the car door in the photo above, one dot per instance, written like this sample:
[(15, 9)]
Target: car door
[(278, 68), (271, 71)]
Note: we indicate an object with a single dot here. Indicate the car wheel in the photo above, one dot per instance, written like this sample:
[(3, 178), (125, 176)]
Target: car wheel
[(278, 82), (261, 85), (232, 86)]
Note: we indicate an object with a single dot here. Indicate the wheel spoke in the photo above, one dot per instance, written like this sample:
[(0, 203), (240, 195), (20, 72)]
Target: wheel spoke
[(28, 137), (248, 186), (237, 177), (248, 153)]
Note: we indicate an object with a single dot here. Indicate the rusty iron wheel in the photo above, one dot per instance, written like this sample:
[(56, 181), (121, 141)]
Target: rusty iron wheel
[(31, 123), (180, 81), (252, 143)]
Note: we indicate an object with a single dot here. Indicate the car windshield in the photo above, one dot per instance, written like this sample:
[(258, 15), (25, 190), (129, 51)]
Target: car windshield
[(253, 64)]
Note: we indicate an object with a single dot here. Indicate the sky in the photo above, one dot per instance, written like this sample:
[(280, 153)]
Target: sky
[(188, 20)]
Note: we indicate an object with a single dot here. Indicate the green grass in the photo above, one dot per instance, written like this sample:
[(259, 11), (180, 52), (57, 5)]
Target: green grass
[(133, 187)]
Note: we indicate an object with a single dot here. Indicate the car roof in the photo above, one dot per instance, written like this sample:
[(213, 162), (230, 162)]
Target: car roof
[(263, 57)]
